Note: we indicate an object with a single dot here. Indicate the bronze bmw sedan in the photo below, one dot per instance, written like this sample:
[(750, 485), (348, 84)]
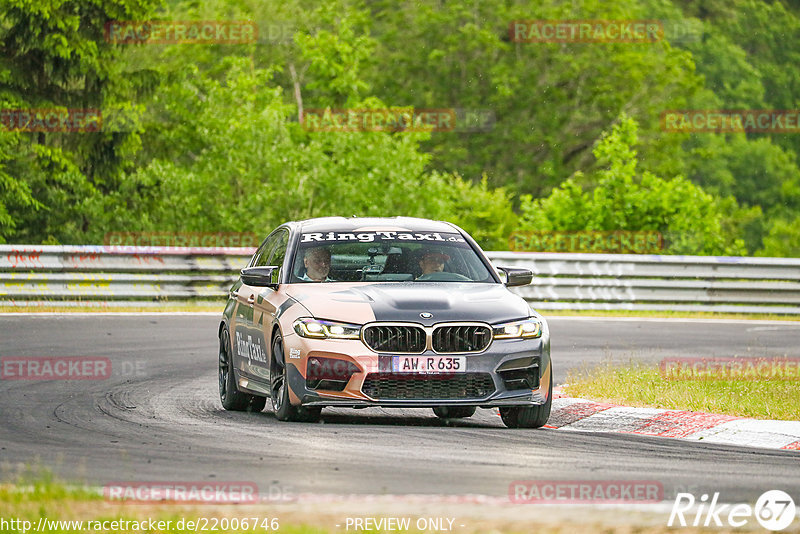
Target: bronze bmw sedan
[(391, 312)]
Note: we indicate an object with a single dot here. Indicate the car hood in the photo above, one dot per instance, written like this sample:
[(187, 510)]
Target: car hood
[(404, 301)]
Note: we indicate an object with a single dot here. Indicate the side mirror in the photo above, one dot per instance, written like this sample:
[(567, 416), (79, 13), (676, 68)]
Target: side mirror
[(259, 276), (517, 277)]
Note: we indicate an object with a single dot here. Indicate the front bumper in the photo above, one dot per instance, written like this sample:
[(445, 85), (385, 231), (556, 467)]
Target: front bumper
[(509, 373)]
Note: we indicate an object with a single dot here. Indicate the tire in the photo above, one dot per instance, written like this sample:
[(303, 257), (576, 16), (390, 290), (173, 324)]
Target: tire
[(229, 395), (454, 412), (279, 388), (529, 416)]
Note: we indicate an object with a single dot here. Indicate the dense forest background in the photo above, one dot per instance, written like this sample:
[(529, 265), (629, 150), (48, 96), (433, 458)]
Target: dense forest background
[(206, 138)]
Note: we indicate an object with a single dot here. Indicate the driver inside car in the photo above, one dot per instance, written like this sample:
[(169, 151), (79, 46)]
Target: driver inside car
[(317, 262), (432, 261)]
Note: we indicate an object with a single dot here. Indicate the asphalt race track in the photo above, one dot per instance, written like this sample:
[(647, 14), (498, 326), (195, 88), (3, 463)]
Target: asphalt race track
[(158, 418)]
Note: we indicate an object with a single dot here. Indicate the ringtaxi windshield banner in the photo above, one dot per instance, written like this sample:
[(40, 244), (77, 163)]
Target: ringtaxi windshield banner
[(381, 235)]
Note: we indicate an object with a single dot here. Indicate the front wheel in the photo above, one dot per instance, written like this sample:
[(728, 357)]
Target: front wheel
[(279, 389), (229, 395), (529, 416)]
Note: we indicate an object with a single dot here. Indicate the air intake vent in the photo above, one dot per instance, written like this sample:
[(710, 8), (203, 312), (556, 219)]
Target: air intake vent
[(395, 338), (388, 386), (461, 338)]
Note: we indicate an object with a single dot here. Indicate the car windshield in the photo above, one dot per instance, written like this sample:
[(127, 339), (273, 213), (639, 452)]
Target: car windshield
[(387, 257)]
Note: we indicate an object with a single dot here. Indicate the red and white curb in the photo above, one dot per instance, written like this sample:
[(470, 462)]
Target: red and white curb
[(583, 415)]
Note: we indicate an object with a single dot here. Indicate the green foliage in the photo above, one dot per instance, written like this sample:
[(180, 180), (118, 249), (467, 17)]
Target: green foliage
[(206, 137), (691, 219), (241, 151), (551, 100), (55, 55), (15, 194), (783, 239), (484, 212), (336, 59)]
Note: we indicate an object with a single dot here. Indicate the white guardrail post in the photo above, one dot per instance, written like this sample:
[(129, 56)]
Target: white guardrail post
[(34, 275)]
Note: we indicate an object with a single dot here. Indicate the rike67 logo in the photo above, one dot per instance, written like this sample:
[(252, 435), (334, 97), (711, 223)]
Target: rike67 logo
[(774, 510)]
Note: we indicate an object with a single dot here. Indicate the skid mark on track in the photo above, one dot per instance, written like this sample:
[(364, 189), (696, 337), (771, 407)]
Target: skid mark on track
[(572, 413)]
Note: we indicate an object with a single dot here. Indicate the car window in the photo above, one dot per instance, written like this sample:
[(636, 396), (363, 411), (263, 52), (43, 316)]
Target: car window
[(391, 257), (265, 252), (278, 253)]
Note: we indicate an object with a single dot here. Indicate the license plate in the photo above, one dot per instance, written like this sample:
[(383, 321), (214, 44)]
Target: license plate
[(429, 364)]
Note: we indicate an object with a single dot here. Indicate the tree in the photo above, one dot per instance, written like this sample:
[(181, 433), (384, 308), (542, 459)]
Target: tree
[(247, 167), (55, 55), (691, 220), (551, 101)]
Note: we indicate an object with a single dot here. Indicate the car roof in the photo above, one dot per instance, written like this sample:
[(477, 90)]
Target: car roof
[(368, 224)]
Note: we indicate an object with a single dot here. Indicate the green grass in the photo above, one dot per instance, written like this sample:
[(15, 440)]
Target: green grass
[(638, 385), (30, 498), (36, 486)]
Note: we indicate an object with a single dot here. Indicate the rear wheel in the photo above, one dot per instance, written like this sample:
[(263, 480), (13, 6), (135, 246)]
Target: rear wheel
[(279, 387), (529, 416), (230, 396), (454, 412)]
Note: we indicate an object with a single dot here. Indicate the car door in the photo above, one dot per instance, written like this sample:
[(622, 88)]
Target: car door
[(267, 302), (249, 348)]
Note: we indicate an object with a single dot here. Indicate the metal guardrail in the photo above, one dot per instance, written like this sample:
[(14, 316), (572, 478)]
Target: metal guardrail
[(655, 282), (113, 276)]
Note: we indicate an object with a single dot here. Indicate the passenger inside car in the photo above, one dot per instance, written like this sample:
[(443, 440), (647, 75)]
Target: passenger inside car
[(432, 261)]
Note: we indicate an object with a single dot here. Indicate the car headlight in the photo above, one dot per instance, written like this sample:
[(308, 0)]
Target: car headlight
[(528, 328), (319, 329)]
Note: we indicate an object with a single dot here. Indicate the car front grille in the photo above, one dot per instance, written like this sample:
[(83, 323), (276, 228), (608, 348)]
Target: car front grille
[(395, 338), (461, 338), (410, 338), (394, 386)]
